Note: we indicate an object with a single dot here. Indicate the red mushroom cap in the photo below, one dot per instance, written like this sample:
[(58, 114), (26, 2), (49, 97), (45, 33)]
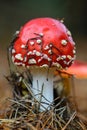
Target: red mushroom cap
[(43, 42)]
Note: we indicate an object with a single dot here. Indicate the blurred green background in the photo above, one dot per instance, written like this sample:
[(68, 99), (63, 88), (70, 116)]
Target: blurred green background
[(14, 13)]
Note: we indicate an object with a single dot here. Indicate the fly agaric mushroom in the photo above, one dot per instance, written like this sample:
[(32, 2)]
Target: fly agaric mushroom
[(42, 45)]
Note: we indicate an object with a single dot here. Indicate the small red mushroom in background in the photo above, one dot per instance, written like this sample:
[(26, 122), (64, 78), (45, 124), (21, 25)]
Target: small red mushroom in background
[(42, 45), (78, 69)]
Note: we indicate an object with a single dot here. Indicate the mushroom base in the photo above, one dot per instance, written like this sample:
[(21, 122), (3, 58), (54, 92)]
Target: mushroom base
[(42, 86)]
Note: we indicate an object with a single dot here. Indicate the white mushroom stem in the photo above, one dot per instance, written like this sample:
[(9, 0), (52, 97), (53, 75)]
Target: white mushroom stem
[(42, 86)]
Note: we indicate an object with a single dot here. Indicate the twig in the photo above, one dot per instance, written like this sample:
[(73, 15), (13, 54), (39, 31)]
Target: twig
[(74, 94), (9, 121), (31, 126), (71, 118), (82, 125)]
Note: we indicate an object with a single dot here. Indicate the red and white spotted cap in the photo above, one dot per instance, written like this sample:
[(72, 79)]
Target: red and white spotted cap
[(43, 42)]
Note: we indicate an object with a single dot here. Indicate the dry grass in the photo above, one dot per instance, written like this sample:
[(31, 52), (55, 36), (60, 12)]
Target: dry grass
[(24, 112)]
